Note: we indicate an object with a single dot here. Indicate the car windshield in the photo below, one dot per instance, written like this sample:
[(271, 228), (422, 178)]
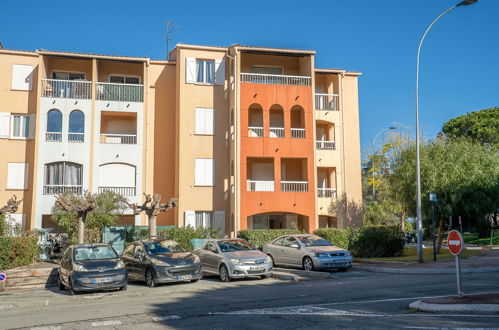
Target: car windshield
[(94, 253), (314, 241), (235, 245), (161, 247)]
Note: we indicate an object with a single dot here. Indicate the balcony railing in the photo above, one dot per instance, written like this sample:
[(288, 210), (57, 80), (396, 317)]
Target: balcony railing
[(53, 137), (67, 89), (254, 185), (294, 186), (326, 192), (255, 131), (76, 137), (298, 133), (118, 138), (60, 189), (277, 132), (273, 79), (120, 92), (123, 191), (326, 102), (325, 145)]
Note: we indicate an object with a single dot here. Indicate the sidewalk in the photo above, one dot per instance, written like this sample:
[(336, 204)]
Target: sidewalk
[(475, 304), (487, 262)]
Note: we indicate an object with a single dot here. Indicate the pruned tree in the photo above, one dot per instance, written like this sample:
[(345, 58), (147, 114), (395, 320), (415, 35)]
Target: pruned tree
[(11, 206), (79, 204), (152, 207)]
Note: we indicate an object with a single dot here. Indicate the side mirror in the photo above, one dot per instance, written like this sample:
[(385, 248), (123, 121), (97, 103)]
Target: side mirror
[(295, 245)]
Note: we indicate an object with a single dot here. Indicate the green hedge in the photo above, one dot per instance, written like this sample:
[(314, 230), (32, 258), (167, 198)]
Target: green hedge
[(18, 251), (183, 236), (259, 237)]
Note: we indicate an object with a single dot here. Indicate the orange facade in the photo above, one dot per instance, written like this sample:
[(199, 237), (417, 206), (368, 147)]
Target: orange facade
[(287, 97)]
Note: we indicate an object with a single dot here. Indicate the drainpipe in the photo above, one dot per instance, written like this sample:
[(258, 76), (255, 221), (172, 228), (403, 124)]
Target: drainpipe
[(236, 165)]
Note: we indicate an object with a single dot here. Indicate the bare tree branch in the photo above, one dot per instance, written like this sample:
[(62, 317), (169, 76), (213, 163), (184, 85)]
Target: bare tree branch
[(12, 205)]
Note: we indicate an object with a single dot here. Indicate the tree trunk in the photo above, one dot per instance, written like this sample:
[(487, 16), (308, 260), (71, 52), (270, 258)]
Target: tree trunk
[(402, 224), (440, 234), (152, 227), (81, 228)]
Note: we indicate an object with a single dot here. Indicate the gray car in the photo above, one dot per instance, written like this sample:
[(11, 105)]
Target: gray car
[(233, 258), (308, 252)]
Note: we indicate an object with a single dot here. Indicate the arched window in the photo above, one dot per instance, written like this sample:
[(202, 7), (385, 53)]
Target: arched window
[(276, 121), (54, 126), (255, 120), (76, 126), (63, 177), (297, 122), (117, 177)]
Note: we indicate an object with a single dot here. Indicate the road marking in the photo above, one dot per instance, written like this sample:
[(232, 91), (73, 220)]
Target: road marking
[(163, 318), (106, 323), (50, 327), (5, 306)]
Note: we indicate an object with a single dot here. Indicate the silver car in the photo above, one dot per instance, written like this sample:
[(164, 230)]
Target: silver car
[(233, 258), (308, 252)]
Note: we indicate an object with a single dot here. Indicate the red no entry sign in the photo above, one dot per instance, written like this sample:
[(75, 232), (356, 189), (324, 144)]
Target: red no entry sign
[(455, 242)]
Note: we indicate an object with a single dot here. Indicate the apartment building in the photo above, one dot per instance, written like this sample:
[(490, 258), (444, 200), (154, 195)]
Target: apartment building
[(245, 137)]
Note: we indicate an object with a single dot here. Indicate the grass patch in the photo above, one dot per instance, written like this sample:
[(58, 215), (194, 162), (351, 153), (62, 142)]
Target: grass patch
[(410, 254)]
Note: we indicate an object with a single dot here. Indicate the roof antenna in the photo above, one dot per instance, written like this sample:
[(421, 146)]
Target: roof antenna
[(169, 31)]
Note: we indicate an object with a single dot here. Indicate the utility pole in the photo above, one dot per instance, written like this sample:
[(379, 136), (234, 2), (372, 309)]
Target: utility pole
[(169, 31)]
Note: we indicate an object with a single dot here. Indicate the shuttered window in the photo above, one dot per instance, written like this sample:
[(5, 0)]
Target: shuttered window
[(4, 125), (20, 126), (205, 71), (22, 77), (204, 175), (17, 176), (204, 121)]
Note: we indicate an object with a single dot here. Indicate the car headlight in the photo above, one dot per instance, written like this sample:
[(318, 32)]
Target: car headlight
[(160, 263), (235, 261), (119, 265), (79, 268), (268, 259), (322, 255), (196, 259)]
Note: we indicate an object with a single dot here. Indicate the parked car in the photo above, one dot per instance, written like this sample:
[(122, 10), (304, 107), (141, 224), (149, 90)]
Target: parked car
[(91, 267), (160, 261), (233, 258), (308, 252)]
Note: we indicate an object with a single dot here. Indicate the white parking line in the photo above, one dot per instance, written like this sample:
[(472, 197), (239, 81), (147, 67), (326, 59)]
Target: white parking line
[(50, 327), (106, 323), (163, 318)]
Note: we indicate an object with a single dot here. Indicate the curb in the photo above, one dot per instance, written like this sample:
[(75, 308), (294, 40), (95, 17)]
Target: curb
[(424, 271), (285, 277), (455, 308)]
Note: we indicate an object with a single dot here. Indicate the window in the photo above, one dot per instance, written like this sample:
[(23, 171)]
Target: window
[(266, 70), (54, 126), (205, 71), (20, 127), (288, 241), (204, 175), (17, 176), (204, 121), (68, 75), (123, 79), (76, 126), (204, 219), (63, 176), (22, 76)]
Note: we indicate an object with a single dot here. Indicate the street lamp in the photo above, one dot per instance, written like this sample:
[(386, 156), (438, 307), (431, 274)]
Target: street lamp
[(374, 144), (419, 222)]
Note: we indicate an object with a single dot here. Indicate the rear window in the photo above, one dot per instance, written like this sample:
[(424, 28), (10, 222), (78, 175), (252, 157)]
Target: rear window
[(94, 253), (235, 245)]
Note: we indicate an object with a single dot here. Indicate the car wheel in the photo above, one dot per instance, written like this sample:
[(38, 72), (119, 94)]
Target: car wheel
[(273, 262), (224, 274), (150, 282), (342, 269), (194, 281), (308, 264), (70, 287), (263, 277), (124, 288), (59, 282)]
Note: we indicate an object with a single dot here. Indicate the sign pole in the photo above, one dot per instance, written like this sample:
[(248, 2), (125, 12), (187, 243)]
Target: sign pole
[(433, 231), (458, 275), (455, 244)]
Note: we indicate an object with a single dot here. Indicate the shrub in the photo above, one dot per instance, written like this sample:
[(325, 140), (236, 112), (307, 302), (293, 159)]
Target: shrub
[(3, 226), (377, 241), (18, 251), (339, 237), (183, 236), (259, 237), (5, 252)]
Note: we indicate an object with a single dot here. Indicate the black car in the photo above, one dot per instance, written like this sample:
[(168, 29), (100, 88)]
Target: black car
[(161, 261), (91, 267)]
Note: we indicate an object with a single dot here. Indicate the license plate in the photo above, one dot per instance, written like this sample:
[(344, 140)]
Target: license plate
[(184, 277), (257, 268), (102, 280), (340, 261)]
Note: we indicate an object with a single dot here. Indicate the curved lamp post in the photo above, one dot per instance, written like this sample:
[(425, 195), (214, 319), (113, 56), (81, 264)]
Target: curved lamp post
[(419, 222), (374, 144)]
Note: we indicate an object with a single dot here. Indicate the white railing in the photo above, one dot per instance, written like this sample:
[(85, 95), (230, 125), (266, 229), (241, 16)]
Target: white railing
[(274, 79), (123, 191), (68, 89), (326, 102), (76, 137), (255, 131), (326, 192), (60, 189), (53, 137), (298, 133), (277, 132), (118, 138), (294, 186), (120, 92), (325, 145), (253, 185)]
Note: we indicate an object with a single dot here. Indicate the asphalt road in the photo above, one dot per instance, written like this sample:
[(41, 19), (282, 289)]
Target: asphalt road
[(352, 299)]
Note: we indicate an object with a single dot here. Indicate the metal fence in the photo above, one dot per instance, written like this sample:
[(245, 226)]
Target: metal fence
[(76, 137), (123, 191), (68, 89), (60, 189), (326, 102), (53, 137), (325, 145), (273, 79), (258, 185), (298, 133), (255, 131), (120, 92), (118, 138), (294, 186), (326, 192), (277, 132)]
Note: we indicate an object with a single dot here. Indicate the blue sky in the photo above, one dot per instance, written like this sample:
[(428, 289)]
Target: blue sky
[(459, 63)]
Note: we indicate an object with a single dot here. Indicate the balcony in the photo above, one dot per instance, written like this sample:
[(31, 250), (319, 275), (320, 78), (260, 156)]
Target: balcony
[(325, 145), (276, 132), (76, 137), (273, 79), (326, 102), (119, 92), (60, 189), (123, 191), (298, 133), (67, 89), (299, 186), (118, 138), (256, 185), (326, 192), (53, 137), (255, 131)]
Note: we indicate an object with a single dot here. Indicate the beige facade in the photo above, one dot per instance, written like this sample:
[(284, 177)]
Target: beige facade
[(182, 128)]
